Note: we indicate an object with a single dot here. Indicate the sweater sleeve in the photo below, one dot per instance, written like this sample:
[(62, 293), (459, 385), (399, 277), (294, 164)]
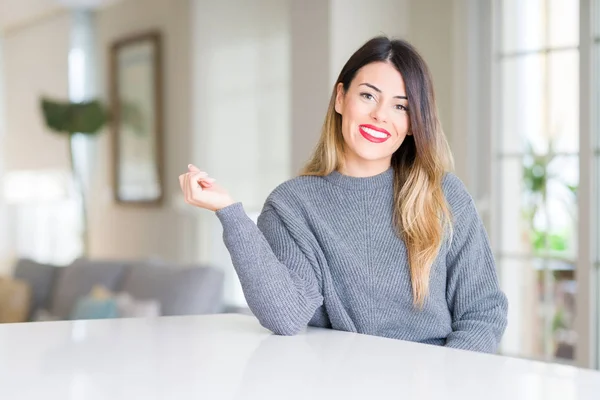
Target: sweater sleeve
[(478, 306), (279, 282)]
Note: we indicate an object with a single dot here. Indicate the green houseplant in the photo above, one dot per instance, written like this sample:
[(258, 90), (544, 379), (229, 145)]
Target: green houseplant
[(536, 176), (538, 172), (69, 119)]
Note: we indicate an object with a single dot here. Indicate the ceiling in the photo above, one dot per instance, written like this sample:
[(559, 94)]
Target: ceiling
[(14, 13)]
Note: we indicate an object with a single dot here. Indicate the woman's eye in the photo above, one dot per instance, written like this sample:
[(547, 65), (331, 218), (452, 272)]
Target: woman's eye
[(367, 96), (401, 107)]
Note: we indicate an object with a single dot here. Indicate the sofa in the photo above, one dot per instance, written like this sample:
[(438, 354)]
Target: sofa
[(178, 290)]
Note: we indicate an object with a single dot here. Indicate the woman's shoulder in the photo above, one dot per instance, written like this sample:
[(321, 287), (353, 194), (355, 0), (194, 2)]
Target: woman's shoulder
[(455, 191), (451, 183), (295, 191)]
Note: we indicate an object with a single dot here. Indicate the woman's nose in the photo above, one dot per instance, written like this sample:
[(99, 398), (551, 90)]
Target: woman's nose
[(378, 114)]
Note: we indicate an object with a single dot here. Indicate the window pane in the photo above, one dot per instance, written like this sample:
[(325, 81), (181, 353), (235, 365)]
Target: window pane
[(563, 88), (525, 331), (597, 322), (596, 96), (561, 207), (522, 25), (596, 227), (541, 293), (539, 165), (515, 230), (596, 143), (596, 139), (564, 23), (596, 20), (523, 104), (556, 279)]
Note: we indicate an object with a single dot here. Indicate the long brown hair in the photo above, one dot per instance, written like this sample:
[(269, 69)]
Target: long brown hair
[(421, 213)]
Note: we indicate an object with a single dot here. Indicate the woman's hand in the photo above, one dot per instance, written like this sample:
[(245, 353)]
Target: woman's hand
[(200, 190)]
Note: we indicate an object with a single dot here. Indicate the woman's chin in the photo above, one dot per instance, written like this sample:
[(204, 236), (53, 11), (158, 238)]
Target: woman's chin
[(373, 155)]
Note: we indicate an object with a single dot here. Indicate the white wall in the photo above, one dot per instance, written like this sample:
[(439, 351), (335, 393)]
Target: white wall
[(353, 22), (241, 103), (432, 33), (241, 94), (5, 250), (35, 64), (133, 232), (19, 14), (310, 75)]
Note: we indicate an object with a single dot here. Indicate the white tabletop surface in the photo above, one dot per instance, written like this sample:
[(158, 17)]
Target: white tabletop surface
[(232, 357)]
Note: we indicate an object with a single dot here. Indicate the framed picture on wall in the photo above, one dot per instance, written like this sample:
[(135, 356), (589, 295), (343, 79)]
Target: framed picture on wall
[(137, 119)]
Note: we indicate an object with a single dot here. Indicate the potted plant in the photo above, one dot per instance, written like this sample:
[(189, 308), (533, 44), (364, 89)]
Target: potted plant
[(68, 118)]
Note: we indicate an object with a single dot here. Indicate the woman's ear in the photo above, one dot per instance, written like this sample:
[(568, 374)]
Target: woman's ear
[(339, 98)]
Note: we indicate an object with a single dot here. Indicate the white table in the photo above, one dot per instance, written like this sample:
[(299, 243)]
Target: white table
[(232, 357)]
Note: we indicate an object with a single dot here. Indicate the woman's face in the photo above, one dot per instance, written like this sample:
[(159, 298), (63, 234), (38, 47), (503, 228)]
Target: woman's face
[(375, 118)]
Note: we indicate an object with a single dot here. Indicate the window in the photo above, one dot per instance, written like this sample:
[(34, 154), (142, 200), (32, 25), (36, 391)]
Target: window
[(595, 128), (537, 159), (44, 221), (43, 208)]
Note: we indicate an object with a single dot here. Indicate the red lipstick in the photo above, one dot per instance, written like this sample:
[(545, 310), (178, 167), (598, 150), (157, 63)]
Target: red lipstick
[(374, 134)]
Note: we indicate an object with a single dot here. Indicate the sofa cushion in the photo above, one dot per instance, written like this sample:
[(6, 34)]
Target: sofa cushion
[(180, 291), (78, 279), (90, 307), (41, 278), (15, 299), (136, 308)]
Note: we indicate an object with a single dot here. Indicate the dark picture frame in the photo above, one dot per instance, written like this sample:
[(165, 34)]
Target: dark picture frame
[(136, 94)]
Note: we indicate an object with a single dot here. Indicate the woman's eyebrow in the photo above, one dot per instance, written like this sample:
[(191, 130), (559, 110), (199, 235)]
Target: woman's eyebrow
[(375, 88)]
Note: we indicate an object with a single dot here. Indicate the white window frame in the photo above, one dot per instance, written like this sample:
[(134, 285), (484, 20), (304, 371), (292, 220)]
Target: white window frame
[(483, 21), (586, 322)]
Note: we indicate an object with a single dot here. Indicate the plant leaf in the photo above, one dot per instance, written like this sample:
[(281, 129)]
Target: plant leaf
[(86, 117)]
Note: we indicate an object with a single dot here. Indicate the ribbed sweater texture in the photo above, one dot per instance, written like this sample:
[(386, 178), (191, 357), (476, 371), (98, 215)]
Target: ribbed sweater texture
[(325, 253)]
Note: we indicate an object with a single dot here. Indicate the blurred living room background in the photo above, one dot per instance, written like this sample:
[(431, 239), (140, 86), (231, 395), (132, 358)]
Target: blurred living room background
[(103, 103)]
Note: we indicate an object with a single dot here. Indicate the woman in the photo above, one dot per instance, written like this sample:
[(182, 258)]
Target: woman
[(376, 236)]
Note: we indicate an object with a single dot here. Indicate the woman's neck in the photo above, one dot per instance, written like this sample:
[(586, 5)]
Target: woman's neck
[(363, 169)]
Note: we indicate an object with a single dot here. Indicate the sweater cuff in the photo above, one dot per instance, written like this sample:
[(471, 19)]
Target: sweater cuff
[(233, 217)]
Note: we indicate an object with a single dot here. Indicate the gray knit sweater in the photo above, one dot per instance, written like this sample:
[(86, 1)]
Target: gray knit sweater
[(325, 253)]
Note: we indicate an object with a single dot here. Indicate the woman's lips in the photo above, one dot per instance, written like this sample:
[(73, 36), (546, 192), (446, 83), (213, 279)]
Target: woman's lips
[(374, 134)]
